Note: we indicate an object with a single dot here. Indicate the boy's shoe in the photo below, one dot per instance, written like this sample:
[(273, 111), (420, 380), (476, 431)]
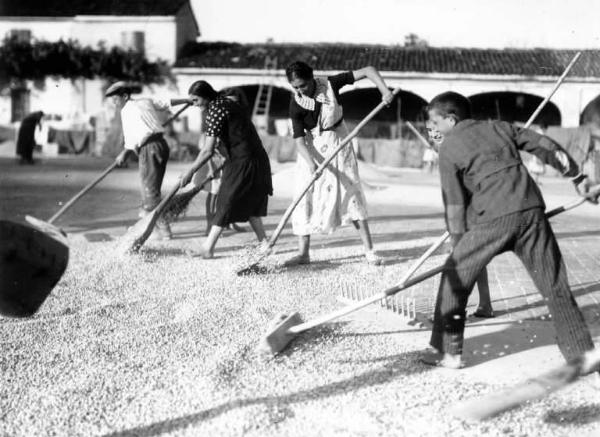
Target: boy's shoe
[(483, 313), (373, 258), (447, 361)]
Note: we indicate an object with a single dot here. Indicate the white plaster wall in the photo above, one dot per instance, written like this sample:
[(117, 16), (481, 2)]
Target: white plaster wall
[(160, 33), (46, 28), (570, 98)]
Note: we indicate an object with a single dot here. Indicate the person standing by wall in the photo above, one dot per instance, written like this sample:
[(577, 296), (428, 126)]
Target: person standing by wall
[(26, 137)]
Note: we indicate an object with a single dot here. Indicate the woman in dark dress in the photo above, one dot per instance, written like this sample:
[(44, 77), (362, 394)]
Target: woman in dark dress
[(26, 136), (246, 179)]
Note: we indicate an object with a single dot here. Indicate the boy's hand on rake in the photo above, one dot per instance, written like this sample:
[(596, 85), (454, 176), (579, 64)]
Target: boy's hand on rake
[(593, 191), (584, 186)]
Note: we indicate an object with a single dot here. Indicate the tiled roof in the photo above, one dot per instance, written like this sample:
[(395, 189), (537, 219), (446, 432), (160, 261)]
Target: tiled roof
[(522, 62), (70, 8)]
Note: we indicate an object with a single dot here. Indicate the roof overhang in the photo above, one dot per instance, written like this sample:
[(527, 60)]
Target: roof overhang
[(386, 75), (128, 18)]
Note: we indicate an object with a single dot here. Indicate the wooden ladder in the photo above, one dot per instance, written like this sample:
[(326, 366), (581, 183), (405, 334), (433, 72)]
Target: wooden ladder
[(262, 102)]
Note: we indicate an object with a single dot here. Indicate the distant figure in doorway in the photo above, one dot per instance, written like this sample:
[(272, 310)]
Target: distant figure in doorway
[(26, 137)]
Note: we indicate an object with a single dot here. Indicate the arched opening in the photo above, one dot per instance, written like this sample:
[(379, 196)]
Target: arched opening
[(405, 106), (513, 107), (591, 113)]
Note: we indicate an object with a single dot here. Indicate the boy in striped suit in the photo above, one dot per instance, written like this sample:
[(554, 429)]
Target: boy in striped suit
[(492, 205)]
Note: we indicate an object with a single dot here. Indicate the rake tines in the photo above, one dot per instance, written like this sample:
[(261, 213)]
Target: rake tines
[(404, 306)]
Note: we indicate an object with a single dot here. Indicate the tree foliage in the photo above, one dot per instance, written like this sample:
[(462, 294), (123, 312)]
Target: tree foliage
[(37, 60)]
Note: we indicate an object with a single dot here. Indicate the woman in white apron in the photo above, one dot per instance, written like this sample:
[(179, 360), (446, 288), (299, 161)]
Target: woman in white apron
[(337, 197)]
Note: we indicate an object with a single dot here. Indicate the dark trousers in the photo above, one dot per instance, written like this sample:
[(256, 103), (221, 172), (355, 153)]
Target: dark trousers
[(529, 235), (153, 157)]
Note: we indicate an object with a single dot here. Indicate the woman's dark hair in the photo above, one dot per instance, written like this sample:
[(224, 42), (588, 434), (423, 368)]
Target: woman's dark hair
[(202, 88), (299, 70), (451, 104)]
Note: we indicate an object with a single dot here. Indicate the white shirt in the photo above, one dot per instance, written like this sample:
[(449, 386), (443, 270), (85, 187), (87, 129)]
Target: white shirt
[(142, 117)]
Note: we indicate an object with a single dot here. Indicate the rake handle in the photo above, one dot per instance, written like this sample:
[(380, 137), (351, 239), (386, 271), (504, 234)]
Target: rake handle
[(556, 86), (207, 179), (165, 200), (424, 257), (105, 173), (584, 198), (419, 136), (87, 188)]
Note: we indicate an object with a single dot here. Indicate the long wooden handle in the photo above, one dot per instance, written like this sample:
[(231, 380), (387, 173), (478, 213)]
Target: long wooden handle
[(87, 188), (177, 114), (556, 86), (419, 136), (424, 257), (531, 118), (593, 193), (322, 166), (108, 169)]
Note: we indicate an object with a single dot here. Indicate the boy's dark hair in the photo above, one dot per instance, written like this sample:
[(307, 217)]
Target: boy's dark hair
[(300, 70), (451, 104)]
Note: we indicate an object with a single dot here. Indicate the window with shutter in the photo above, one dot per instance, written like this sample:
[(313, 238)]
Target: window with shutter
[(21, 35)]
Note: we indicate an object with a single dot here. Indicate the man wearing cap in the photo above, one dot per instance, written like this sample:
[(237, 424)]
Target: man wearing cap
[(143, 122)]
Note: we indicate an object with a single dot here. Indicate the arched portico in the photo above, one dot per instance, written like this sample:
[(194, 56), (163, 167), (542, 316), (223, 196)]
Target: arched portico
[(570, 99), (513, 107)]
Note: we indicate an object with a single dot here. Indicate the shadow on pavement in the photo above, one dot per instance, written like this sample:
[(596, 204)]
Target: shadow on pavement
[(388, 218), (586, 233), (581, 415), (394, 366)]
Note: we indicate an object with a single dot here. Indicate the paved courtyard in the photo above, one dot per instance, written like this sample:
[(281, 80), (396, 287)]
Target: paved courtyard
[(405, 218)]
